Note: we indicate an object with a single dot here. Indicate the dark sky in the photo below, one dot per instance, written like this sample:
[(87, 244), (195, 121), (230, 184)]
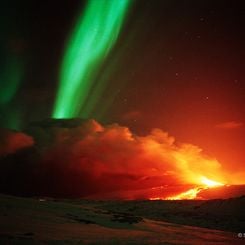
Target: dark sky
[(178, 66)]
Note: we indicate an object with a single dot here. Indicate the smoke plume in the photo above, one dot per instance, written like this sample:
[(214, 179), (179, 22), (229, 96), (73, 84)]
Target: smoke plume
[(79, 158)]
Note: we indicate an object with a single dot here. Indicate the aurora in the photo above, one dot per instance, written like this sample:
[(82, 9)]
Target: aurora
[(93, 37)]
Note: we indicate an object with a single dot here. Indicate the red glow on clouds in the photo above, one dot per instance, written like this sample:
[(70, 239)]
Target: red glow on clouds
[(108, 162), (11, 141)]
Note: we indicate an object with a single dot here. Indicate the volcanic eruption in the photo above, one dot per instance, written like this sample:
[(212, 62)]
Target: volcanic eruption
[(67, 156), (82, 158), (122, 122)]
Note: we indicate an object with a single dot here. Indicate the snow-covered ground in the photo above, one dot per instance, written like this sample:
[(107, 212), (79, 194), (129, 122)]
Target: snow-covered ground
[(46, 221)]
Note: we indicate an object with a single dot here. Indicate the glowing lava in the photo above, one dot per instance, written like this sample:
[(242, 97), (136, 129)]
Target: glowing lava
[(210, 183), (192, 193)]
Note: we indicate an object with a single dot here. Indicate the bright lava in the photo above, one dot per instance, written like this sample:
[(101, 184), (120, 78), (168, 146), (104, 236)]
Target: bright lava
[(192, 193), (210, 183)]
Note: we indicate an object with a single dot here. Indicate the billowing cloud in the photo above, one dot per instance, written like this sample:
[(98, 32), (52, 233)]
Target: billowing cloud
[(11, 141), (229, 125), (83, 158)]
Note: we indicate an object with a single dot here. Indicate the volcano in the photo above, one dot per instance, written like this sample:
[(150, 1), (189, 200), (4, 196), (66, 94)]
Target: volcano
[(83, 158)]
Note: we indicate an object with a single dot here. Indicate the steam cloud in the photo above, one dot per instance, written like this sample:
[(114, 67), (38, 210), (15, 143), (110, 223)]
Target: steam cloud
[(70, 158)]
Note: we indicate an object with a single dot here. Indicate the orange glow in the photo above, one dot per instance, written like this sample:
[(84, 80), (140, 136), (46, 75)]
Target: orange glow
[(210, 183), (192, 169), (205, 184), (190, 194)]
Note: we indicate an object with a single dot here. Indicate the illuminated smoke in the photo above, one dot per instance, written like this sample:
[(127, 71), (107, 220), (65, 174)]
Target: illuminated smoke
[(12, 141), (85, 159)]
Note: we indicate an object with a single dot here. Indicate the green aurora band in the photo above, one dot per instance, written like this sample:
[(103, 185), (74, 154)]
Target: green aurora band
[(92, 39), (10, 79), (12, 64), (11, 76)]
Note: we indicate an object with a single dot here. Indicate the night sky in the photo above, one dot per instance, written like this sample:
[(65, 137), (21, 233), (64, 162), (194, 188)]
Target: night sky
[(177, 66)]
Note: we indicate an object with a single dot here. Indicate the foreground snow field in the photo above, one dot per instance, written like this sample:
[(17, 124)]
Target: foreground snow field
[(50, 221)]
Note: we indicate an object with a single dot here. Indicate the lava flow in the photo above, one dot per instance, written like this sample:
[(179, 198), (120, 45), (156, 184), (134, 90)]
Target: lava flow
[(205, 184)]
